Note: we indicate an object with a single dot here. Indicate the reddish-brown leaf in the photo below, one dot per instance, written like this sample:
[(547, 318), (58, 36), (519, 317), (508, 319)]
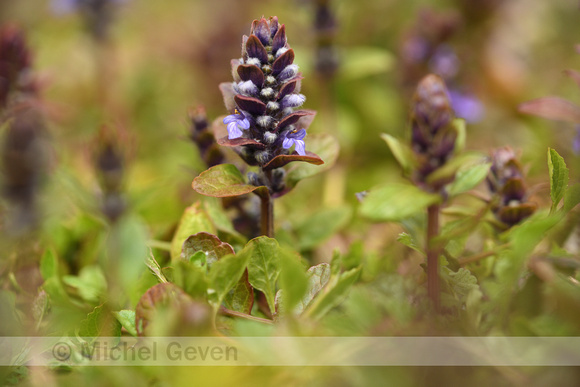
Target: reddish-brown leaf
[(273, 25), (210, 244), (288, 88), (234, 63), (251, 105), (293, 118), (305, 121), (281, 160), (228, 93), (225, 141), (283, 60), (575, 75), (279, 40), (255, 49), (552, 108), (251, 73), (261, 30)]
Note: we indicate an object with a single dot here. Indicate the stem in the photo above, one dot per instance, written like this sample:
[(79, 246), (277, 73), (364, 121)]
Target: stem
[(433, 256), (480, 256), (233, 313), (267, 209)]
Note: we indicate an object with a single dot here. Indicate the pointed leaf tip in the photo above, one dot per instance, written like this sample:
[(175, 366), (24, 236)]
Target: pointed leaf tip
[(283, 60), (281, 160), (255, 49)]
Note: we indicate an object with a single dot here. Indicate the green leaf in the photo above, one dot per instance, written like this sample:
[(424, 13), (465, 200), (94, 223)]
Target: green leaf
[(322, 225), (191, 278), (49, 265), (402, 152), (224, 275), (326, 147), (558, 177), (155, 268), (293, 280), (208, 244), (333, 294), (214, 209), (408, 241), (450, 168), (52, 282), (468, 178), (263, 255), (395, 202), (362, 62), (100, 322), (90, 283), (318, 277), (193, 220), (459, 124), (127, 252), (572, 198), (241, 297), (127, 320), (224, 180)]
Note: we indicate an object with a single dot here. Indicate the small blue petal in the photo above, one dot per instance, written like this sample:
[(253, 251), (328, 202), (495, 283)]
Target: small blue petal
[(233, 131), (288, 142), (300, 134), (230, 118), (300, 147), (244, 124)]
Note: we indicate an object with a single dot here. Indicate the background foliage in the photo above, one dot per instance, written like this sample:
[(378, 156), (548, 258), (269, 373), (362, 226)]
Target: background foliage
[(166, 57)]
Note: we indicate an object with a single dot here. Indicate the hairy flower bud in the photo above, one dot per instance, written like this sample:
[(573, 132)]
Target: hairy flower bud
[(23, 157), (433, 135), (204, 138), (506, 182), (14, 64)]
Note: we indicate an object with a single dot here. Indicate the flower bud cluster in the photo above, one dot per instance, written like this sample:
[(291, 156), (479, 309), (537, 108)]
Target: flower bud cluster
[(109, 164), (203, 137), (326, 57), (264, 96), (432, 134), (506, 182), (23, 156), (23, 151), (15, 63)]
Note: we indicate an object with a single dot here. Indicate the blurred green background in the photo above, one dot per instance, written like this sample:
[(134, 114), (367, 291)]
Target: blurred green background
[(164, 57)]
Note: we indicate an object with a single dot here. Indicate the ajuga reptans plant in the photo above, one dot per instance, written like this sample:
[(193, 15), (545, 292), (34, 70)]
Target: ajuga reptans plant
[(264, 126), (429, 160)]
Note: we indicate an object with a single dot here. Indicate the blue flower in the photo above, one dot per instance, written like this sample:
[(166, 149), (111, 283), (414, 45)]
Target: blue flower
[(295, 138), (466, 106), (236, 123)]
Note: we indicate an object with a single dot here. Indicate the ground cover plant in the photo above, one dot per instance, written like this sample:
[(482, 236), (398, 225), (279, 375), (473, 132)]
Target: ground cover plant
[(298, 169)]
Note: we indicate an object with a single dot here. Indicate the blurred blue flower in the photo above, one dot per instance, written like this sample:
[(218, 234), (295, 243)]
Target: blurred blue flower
[(576, 142), (295, 137), (466, 106), (235, 124), (62, 7), (444, 62)]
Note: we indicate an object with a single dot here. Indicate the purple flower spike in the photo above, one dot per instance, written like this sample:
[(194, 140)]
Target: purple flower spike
[(236, 123), (295, 138)]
